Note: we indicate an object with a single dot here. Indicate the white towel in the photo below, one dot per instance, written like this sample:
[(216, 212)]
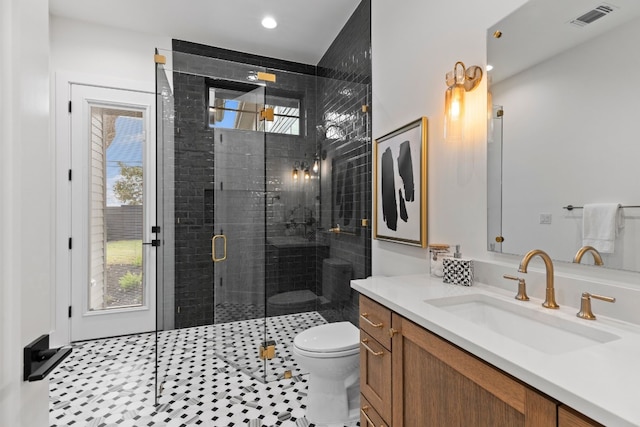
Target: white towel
[(601, 224)]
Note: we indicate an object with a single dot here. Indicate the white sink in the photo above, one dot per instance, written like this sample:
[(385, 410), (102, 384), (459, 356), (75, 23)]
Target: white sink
[(544, 332)]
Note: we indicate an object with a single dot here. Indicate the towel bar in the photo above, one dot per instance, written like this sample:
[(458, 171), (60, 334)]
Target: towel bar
[(571, 207)]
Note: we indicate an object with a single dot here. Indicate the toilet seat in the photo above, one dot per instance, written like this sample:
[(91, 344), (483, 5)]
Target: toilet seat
[(338, 339)]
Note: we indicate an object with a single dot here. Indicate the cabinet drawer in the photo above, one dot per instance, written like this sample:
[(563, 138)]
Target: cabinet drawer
[(375, 320), (567, 417), (375, 375), (368, 415)]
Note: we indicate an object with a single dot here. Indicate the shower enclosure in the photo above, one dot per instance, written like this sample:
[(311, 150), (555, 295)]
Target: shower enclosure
[(258, 168)]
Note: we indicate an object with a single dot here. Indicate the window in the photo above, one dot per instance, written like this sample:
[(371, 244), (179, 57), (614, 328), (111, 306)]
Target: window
[(238, 106)]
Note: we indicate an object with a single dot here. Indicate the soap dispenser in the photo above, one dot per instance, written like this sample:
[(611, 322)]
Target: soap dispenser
[(458, 270)]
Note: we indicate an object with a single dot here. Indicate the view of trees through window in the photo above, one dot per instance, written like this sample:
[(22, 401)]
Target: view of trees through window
[(117, 189)]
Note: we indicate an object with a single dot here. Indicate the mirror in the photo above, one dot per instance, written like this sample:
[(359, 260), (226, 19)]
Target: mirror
[(564, 126)]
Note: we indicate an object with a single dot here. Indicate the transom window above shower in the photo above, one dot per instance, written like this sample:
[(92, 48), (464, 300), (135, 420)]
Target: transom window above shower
[(247, 107)]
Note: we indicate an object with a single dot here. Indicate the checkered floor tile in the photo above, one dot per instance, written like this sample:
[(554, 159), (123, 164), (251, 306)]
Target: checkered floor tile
[(207, 376)]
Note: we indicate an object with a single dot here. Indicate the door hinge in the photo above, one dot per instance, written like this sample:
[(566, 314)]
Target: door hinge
[(69, 106), (69, 174), (267, 114), (69, 311), (155, 243), (70, 243), (267, 350), (155, 229)]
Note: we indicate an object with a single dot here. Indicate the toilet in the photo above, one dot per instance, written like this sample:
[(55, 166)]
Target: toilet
[(336, 274), (330, 353)]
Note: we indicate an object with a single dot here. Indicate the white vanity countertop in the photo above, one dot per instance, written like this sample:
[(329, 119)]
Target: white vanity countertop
[(601, 381)]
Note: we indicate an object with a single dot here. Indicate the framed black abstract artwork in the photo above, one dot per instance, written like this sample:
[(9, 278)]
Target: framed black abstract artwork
[(400, 185)]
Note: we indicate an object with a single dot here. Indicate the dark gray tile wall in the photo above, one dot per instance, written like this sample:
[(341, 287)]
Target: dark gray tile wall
[(333, 93), (255, 197), (193, 178), (345, 88)]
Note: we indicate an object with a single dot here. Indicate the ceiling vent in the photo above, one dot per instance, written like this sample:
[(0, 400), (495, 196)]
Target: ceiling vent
[(593, 15)]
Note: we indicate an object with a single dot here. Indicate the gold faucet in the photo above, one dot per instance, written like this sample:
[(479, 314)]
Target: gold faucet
[(550, 297), (597, 259)]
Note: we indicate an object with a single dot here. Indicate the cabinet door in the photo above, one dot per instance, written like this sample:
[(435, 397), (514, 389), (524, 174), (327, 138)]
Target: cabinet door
[(438, 384), (375, 375), (567, 417)]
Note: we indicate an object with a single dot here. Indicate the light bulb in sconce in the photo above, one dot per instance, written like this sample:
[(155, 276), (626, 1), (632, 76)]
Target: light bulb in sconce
[(316, 164), (459, 81), (296, 166), (454, 113), (307, 175)]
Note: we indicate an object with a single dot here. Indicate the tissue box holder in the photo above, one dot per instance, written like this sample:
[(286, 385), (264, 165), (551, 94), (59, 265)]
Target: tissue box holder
[(458, 271)]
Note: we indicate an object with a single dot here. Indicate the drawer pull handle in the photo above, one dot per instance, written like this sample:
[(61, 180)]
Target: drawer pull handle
[(365, 317), (362, 411), (369, 349)]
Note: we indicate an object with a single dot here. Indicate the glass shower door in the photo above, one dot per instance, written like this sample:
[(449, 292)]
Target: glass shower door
[(211, 217), (237, 210)]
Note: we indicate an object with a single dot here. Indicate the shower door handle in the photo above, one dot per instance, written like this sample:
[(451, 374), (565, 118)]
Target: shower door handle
[(213, 247)]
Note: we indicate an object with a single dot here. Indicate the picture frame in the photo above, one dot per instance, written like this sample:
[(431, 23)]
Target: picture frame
[(400, 185)]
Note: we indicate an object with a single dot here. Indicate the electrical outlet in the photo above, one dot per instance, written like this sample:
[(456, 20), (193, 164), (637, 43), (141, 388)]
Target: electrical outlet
[(545, 218)]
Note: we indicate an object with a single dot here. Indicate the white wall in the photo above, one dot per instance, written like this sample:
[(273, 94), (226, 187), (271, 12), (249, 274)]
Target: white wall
[(413, 47), (97, 50), (25, 204)]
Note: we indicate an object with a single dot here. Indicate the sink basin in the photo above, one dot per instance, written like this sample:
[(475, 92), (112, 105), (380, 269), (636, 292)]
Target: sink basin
[(544, 332)]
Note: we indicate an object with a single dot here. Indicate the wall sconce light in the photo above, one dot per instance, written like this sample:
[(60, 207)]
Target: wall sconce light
[(296, 167), (301, 167), (316, 163), (459, 81)]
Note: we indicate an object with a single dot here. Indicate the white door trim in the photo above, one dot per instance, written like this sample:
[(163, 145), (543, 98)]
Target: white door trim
[(61, 296)]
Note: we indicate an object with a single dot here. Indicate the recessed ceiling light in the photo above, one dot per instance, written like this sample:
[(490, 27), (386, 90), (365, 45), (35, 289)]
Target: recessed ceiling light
[(269, 22)]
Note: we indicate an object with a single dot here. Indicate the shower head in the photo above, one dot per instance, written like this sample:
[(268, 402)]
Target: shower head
[(332, 130)]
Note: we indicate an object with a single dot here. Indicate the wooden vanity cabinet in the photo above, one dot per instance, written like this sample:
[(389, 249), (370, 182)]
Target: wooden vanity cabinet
[(438, 384), (568, 417), (410, 377)]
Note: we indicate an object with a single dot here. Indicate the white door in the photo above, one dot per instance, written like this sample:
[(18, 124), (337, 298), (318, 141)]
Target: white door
[(113, 212)]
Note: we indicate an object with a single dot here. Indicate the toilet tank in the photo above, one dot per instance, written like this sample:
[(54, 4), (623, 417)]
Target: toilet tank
[(336, 275)]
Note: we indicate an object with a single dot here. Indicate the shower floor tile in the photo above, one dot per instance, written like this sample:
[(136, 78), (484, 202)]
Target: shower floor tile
[(207, 375)]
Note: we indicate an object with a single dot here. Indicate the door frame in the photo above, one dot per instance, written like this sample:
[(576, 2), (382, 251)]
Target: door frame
[(61, 156)]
